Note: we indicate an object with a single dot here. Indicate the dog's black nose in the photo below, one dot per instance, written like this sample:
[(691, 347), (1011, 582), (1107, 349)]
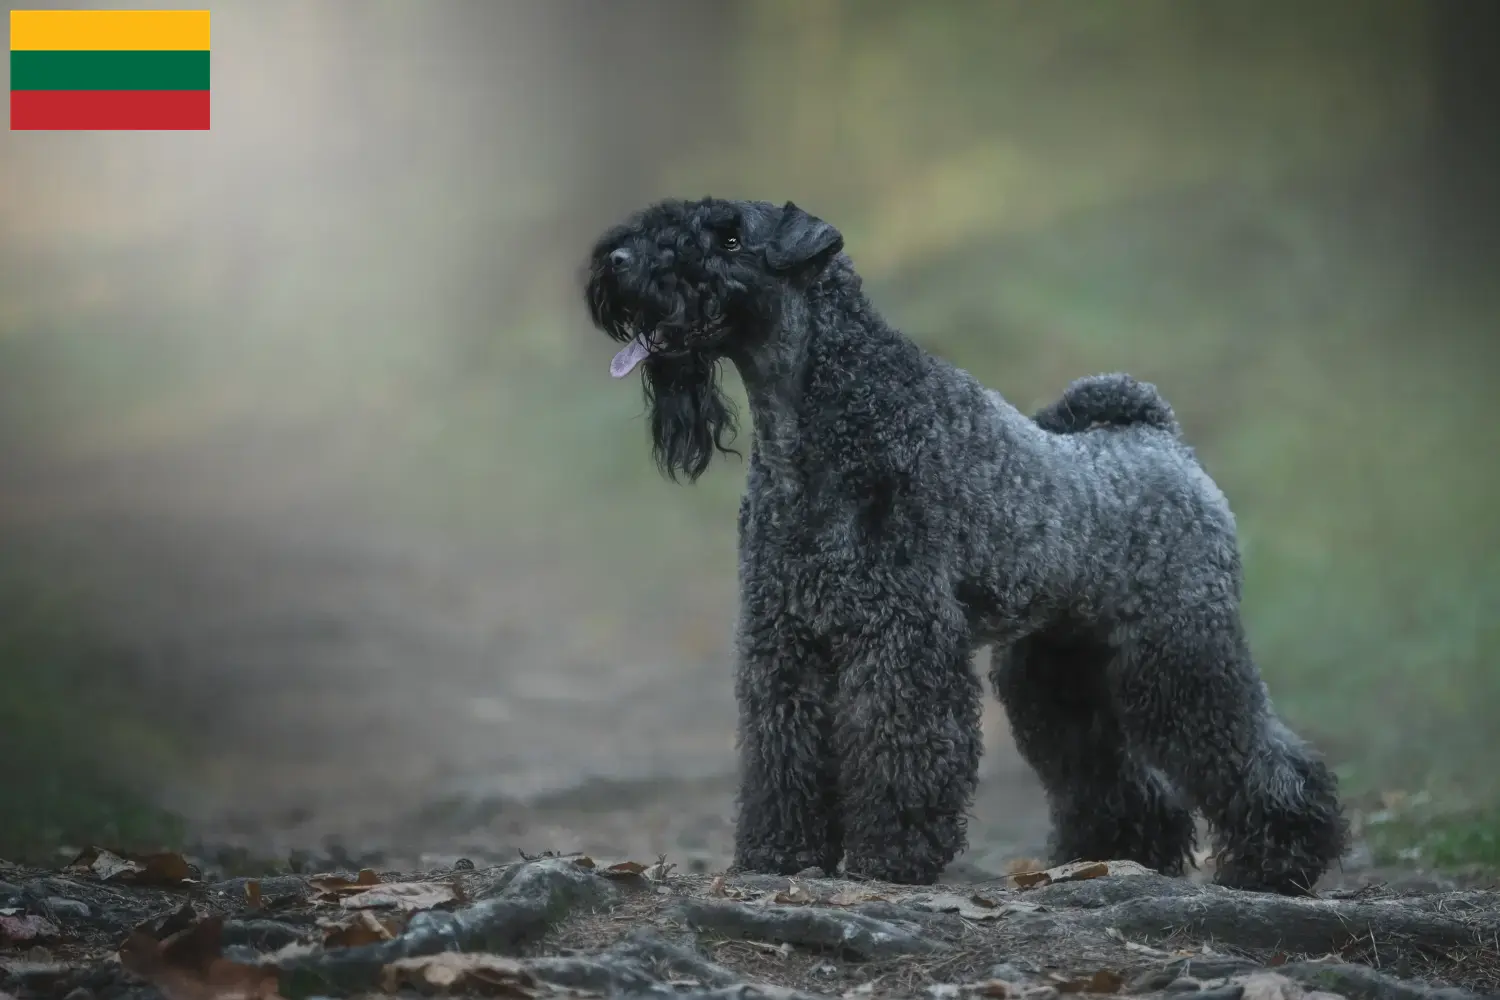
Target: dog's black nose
[(619, 258)]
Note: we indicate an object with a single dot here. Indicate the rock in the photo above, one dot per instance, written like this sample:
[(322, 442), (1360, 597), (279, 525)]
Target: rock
[(63, 907), (1009, 973)]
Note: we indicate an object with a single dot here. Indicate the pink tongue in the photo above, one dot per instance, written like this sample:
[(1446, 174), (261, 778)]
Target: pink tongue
[(630, 355)]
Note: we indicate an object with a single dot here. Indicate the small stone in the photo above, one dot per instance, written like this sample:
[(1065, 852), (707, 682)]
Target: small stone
[(943, 991), (813, 872), (64, 907), (1009, 973), (1184, 984)]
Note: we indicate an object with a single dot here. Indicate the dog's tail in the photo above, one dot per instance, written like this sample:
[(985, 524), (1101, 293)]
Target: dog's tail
[(1114, 400)]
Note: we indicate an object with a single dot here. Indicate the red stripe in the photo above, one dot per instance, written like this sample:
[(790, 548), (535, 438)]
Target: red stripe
[(108, 109)]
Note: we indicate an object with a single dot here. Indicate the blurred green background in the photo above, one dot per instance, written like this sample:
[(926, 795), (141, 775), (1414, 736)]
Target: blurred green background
[(350, 312)]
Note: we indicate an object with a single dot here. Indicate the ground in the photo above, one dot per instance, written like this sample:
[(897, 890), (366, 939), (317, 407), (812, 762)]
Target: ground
[(113, 927)]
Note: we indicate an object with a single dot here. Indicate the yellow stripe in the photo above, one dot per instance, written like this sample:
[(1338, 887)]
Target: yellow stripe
[(109, 29)]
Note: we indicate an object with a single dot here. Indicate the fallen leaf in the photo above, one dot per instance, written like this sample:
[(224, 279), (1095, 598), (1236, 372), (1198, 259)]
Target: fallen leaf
[(161, 869), (408, 896), (852, 897), (796, 895), (331, 887), (1103, 981), (103, 865), (996, 988), (624, 869), (189, 965), (28, 927), (361, 928), (583, 861), (659, 871), (461, 972), (1018, 866), (145, 869), (969, 907), (252, 894), (1077, 871)]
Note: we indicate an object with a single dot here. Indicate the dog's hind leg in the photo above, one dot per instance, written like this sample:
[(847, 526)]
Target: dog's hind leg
[(908, 739), (1192, 702), (788, 798), (1106, 804)]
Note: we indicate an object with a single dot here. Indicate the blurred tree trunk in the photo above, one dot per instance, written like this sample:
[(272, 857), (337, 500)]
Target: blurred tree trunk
[(1466, 134)]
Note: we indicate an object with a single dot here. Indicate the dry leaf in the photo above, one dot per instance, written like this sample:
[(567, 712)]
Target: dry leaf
[(143, 869), (252, 894), (1103, 981), (795, 895), (361, 928), (996, 988), (1019, 866), (659, 871), (103, 865), (408, 896), (968, 907), (161, 869), (189, 965), (624, 869), (1077, 871), (461, 972), (331, 887), (26, 927), (584, 861)]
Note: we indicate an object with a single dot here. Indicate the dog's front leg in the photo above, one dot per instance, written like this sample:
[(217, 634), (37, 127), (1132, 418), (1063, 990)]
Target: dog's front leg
[(788, 799), (909, 742)]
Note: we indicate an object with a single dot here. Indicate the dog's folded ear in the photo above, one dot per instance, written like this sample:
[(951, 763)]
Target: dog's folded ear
[(801, 239)]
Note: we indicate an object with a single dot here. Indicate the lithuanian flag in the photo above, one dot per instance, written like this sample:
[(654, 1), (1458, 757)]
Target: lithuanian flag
[(108, 69)]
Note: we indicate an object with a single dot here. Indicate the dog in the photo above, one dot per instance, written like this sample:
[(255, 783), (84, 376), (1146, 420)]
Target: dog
[(897, 516)]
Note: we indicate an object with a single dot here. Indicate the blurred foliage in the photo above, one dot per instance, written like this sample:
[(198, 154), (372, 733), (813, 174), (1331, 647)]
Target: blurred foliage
[(81, 765)]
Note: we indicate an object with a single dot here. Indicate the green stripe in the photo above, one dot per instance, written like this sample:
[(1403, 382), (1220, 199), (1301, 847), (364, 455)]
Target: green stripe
[(33, 69)]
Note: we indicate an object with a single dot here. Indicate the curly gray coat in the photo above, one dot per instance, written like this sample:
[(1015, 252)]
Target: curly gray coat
[(897, 515)]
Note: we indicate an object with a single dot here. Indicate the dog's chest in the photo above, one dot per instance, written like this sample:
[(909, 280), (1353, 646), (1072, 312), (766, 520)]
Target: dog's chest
[(803, 558)]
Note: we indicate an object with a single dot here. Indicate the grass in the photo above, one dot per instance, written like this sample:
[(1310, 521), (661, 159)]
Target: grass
[(1421, 830)]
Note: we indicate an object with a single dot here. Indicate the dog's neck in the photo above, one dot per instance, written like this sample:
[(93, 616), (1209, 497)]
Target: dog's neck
[(808, 354)]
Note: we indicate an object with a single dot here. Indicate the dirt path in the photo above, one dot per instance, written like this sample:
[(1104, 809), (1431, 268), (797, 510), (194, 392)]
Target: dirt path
[(334, 680)]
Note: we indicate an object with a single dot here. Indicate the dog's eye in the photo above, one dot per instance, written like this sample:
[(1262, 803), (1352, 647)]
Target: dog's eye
[(730, 243)]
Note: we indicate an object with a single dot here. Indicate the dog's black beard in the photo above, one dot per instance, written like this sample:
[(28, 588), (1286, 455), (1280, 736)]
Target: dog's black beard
[(691, 418)]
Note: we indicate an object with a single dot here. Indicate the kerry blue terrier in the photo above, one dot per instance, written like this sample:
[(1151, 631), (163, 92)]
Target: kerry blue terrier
[(897, 515)]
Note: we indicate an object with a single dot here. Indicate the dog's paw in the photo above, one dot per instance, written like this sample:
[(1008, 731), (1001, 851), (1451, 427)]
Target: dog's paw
[(900, 871), (770, 861)]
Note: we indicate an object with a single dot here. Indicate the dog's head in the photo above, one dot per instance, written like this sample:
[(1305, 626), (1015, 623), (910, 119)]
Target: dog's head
[(684, 285)]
